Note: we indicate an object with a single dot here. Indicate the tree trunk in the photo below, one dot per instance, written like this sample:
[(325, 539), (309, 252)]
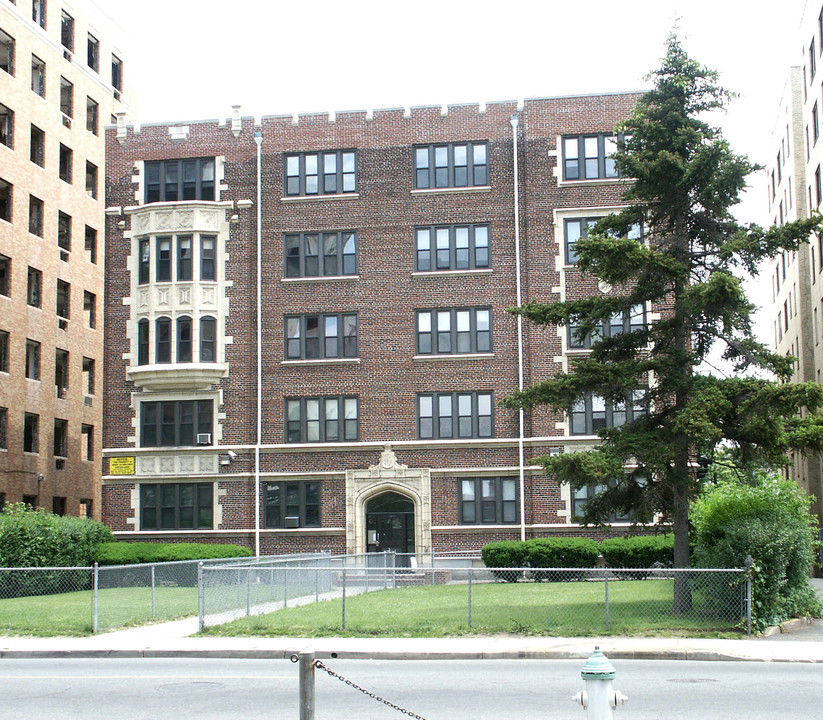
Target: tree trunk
[(680, 522)]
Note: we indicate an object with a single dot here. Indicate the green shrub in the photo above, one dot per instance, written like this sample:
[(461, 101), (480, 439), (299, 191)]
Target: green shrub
[(639, 551), (505, 554), (770, 521), (561, 553), (125, 553)]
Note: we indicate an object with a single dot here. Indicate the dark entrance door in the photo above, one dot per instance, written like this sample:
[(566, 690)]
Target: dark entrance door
[(390, 525)]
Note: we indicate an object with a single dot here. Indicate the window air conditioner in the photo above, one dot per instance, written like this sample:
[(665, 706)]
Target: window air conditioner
[(292, 521), (204, 438)]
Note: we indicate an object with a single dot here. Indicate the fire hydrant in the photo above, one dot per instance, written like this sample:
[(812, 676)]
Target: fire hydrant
[(599, 698)]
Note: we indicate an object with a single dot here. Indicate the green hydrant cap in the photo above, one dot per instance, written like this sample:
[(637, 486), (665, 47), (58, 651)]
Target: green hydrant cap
[(597, 667)]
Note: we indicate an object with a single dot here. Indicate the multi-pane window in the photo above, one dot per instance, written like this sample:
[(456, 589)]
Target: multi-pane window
[(61, 432), (176, 506), (6, 52), (456, 330), (291, 505), (5, 275), (162, 271), (208, 339), (67, 31), (592, 413), (322, 419), (174, 423), (63, 299), (90, 308), (175, 180), (64, 169), (576, 228), (4, 351), (177, 251), (184, 257), (32, 360), (162, 340), (143, 342), (451, 247), (451, 165), (208, 267), (320, 254), (144, 261), (322, 173), (63, 231), (31, 433), (34, 287), (178, 336), (6, 126), (627, 321), (90, 243), (37, 146), (91, 179), (61, 372), (116, 76), (38, 76), (6, 193), (92, 116), (38, 12), (454, 415), (93, 53), (66, 97), (582, 496), (183, 339), (589, 157), (310, 337), (491, 501), (815, 123), (35, 216)]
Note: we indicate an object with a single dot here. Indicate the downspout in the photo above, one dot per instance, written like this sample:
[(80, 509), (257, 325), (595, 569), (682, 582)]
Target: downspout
[(521, 462), (258, 138)]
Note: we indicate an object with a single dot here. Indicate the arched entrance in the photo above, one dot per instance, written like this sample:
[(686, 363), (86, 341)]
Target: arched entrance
[(390, 525)]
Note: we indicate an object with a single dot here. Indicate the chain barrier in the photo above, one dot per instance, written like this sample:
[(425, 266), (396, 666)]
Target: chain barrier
[(346, 681)]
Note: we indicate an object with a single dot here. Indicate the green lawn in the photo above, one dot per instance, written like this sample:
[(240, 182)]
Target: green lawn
[(71, 613), (636, 607)]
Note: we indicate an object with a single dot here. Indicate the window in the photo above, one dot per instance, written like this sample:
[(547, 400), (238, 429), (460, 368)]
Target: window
[(292, 504), (6, 193), (576, 228), (6, 126), (60, 437), (88, 375), (86, 447), (588, 157), (65, 166), (34, 287), (4, 420), (143, 342), (35, 216), (208, 340), (812, 61), (144, 261), (447, 332), (207, 258), (31, 432), (452, 165), (183, 339), (593, 413), (818, 188), (451, 247), (32, 360), (4, 351), (63, 231), (5, 276), (627, 321), (61, 372), (176, 423), (92, 116), (581, 497), (175, 180), (116, 76), (184, 255), (90, 308), (324, 173), (454, 415), (488, 501), (6, 52), (63, 296), (310, 337), (37, 146), (322, 419), (162, 340), (90, 244), (91, 179), (67, 31), (38, 76), (58, 505), (176, 506), (815, 124), (321, 254), (30, 500), (38, 12), (162, 271), (93, 53), (66, 98)]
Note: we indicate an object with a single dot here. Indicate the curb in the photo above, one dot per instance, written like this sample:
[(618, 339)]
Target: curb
[(788, 626)]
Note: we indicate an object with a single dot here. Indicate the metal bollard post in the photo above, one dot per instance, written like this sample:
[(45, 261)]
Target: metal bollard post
[(599, 698), (306, 659)]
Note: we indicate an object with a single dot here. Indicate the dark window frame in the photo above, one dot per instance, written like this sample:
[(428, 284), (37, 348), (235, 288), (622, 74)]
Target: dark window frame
[(610, 328), (299, 426), (64, 227), (60, 438), (34, 287), (167, 180), (5, 276), (92, 116), (577, 167), (477, 507), (38, 76), (8, 43), (65, 166), (164, 423), (67, 31), (31, 433), (155, 515), (66, 97), (593, 413), (585, 223), (33, 359), (300, 262), (292, 499), (581, 496), (448, 341), (445, 248), (305, 337), (300, 181), (4, 350), (93, 53), (438, 425), (439, 166), (37, 146), (36, 210), (6, 126)]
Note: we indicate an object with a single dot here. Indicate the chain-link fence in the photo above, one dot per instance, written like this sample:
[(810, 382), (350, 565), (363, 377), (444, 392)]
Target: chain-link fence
[(430, 601)]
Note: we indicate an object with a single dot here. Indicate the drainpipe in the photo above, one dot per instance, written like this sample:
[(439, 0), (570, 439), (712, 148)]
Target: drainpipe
[(258, 139), (515, 121)]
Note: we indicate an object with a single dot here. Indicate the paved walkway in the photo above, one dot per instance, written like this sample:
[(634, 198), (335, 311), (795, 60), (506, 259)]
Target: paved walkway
[(800, 642)]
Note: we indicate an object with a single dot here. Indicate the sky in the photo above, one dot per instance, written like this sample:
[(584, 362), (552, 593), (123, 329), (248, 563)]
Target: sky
[(194, 59)]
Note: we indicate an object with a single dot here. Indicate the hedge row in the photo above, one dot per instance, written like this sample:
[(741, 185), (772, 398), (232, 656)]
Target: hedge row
[(640, 551), (124, 553)]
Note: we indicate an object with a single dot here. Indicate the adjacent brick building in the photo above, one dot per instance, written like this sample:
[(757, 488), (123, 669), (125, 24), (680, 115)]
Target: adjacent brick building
[(389, 255)]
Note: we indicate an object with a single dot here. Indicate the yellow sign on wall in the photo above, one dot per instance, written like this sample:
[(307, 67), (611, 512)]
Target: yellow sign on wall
[(121, 466)]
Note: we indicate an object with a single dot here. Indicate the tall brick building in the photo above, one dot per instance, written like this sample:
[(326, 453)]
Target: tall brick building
[(391, 244), (61, 81)]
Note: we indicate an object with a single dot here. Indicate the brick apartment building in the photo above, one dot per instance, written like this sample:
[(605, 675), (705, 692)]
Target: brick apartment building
[(391, 244), (61, 81)]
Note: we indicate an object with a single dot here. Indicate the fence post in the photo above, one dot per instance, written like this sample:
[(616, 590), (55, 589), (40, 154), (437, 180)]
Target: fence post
[(749, 564), (470, 597), (317, 580), (306, 658), (285, 585), (606, 576), (200, 597), (94, 584), (153, 596), (343, 618), (248, 591)]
